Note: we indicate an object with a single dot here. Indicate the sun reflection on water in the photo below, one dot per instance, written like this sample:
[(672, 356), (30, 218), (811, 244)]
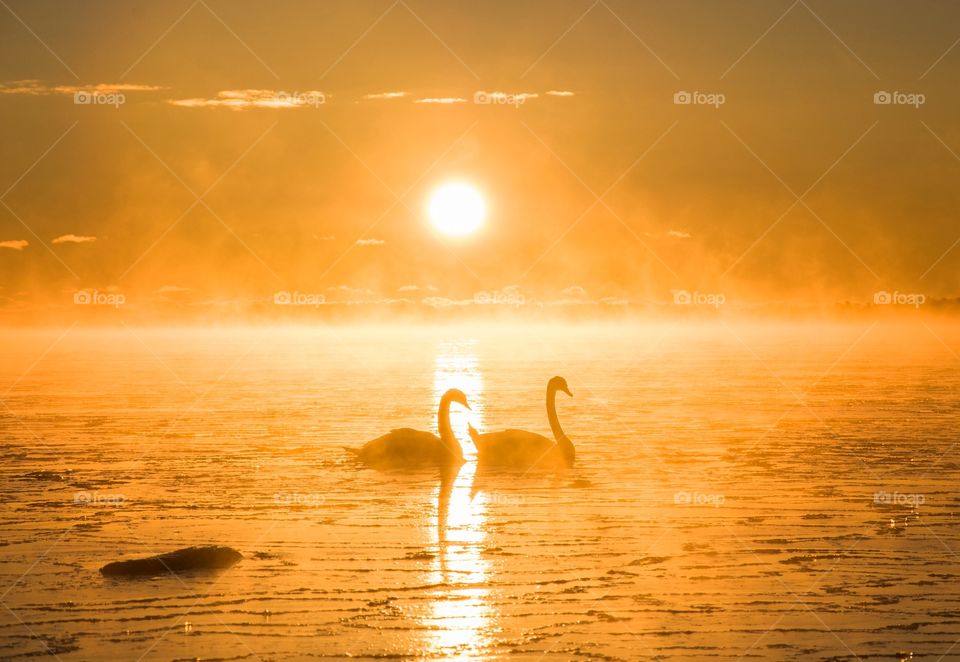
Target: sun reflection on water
[(457, 366), (460, 618)]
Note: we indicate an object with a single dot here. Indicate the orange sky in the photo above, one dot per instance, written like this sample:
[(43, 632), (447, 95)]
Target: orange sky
[(222, 152)]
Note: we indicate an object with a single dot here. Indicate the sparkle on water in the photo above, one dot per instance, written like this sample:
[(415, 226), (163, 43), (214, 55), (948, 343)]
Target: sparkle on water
[(726, 501)]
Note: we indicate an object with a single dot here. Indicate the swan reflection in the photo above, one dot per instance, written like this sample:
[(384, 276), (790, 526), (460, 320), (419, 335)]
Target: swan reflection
[(459, 618)]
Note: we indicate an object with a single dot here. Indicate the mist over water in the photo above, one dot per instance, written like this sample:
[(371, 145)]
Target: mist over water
[(741, 491)]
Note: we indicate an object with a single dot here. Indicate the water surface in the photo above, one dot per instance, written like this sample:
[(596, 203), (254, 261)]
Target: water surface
[(741, 492)]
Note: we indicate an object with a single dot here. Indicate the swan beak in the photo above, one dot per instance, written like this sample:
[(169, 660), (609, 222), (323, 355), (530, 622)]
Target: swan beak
[(567, 391)]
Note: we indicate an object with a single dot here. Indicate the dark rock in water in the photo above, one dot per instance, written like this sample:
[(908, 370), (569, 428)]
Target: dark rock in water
[(210, 557), (265, 556), (46, 475), (420, 556)]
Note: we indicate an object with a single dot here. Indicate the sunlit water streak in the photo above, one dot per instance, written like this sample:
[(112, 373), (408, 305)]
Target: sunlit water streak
[(459, 620), (793, 500)]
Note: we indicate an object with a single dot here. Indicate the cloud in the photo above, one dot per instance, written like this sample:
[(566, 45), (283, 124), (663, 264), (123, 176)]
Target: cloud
[(352, 294), (441, 100), (37, 88), (676, 234), (443, 302), (498, 98), (509, 295), (171, 289), (574, 291), (325, 237), (614, 301), (252, 98), (73, 239), (346, 288), (370, 242), (417, 288), (386, 95), (559, 93), (15, 244)]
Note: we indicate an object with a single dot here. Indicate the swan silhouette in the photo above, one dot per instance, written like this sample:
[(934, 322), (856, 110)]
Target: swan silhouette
[(519, 448), (406, 447)]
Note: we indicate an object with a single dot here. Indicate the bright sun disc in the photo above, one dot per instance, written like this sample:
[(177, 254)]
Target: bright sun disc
[(456, 209)]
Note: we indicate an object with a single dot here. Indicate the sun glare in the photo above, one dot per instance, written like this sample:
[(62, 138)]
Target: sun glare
[(456, 209)]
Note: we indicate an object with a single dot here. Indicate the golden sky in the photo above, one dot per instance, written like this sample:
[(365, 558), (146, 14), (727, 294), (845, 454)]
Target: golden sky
[(214, 153)]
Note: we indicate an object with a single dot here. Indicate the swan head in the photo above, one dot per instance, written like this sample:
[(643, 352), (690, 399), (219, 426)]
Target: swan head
[(560, 384), (456, 395)]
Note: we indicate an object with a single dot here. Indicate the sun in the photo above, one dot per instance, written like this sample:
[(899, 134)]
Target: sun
[(456, 209)]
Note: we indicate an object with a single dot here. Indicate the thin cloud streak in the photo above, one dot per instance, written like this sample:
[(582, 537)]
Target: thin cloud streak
[(386, 95), (254, 98), (73, 239), (36, 88), (443, 101)]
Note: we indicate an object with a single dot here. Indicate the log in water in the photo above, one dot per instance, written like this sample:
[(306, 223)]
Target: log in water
[(209, 557)]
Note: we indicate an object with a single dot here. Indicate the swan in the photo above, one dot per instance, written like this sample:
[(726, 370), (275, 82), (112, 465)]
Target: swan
[(519, 448), (406, 447)]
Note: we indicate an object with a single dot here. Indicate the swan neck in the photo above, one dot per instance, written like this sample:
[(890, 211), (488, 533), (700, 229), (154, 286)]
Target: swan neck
[(566, 446), (446, 430)]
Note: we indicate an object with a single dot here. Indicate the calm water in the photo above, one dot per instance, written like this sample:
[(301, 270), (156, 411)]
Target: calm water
[(740, 493)]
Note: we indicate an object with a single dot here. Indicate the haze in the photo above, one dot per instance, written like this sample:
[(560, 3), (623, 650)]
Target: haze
[(297, 155)]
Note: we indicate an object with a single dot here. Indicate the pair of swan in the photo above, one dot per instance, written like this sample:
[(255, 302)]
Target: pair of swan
[(406, 447)]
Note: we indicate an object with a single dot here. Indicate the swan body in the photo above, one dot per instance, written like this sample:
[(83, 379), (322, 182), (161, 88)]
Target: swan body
[(406, 447), (515, 448), (523, 449)]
